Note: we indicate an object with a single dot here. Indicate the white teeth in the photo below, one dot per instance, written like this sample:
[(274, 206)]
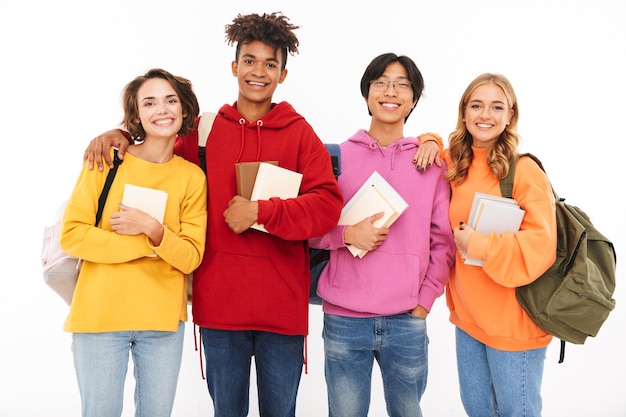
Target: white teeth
[(163, 122), (254, 83), (391, 106), (483, 125)]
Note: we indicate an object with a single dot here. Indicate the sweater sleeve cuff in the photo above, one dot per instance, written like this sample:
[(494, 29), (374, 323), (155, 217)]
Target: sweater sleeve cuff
[(425, 137), (264, 211), (477, 246), (427, 297)]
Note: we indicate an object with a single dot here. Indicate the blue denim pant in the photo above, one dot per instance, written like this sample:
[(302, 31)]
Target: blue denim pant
[(398, 343), (101, 362), (498, 383), (278, 359)]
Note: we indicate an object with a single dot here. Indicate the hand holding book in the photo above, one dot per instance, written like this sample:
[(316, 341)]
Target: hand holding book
[(366, 235), (493, 214), (375, 195), (265, 180)]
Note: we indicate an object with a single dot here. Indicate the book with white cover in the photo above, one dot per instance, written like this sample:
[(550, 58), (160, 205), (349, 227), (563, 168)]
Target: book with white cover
[(478, 198), (274, 181), (149, 200), (374, 196), (493, 214)]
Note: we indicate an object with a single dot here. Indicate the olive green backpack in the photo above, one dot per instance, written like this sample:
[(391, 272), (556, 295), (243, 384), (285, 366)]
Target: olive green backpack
[(573, 298)]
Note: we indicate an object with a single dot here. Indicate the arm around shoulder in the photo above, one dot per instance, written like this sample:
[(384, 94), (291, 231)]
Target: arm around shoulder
[(99, 148)]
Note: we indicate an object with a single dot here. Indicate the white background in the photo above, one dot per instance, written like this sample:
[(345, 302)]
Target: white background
[(64, 64)]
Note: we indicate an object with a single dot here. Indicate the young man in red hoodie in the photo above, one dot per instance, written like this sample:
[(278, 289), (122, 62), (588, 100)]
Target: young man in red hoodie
[(251, 292)]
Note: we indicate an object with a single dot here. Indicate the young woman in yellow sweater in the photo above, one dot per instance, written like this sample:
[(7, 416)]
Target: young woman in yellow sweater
[(500, 350), (131, 295)]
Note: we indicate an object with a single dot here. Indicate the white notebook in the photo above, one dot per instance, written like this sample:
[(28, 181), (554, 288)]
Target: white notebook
[(493, 214), (375, 195), (149, 200), (274, 181)]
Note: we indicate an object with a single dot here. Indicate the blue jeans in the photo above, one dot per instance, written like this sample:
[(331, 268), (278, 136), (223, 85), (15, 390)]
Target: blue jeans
[(398, 343), (101, 362), (278, 359), (498, 383)]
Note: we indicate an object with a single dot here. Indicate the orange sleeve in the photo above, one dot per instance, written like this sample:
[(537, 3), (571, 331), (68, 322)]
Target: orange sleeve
[(425, 137)]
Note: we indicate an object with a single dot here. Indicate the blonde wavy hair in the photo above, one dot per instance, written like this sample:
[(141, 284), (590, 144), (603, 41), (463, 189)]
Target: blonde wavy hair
[(501, 154)]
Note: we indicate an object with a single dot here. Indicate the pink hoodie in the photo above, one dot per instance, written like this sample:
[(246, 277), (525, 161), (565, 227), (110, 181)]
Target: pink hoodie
[(413, 265)]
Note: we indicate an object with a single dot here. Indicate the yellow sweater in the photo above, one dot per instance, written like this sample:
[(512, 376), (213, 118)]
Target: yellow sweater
[(482, 299), (121, 287)]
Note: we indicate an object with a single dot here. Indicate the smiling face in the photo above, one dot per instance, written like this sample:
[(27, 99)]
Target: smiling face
[(390, 97), (486, 114), (160, 109), (258, 73)]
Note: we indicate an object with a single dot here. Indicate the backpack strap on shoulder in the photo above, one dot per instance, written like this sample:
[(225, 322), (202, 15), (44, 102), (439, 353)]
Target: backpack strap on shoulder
[(107, 186), (506, 183), (506, 188), (335, 157), (204, 128)]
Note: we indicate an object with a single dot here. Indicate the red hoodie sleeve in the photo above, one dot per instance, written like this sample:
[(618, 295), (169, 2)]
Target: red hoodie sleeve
[(318, 207), (186, 146)]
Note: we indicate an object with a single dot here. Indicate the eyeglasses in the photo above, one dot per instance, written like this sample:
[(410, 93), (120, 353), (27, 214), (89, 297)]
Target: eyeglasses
[(400, 85)]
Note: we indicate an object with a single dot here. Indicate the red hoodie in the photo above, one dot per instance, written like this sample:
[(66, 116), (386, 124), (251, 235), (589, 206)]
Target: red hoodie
[(256, 280)]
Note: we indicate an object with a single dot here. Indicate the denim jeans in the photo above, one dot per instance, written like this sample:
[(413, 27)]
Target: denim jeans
[(101, 362), (498, 383), (398, 343), (278, 358)]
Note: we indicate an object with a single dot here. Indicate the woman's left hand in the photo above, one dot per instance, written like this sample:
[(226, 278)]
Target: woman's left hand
[(462, 235)]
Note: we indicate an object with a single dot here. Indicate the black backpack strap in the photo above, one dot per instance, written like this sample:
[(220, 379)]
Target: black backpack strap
[(107, 186), (204, 128), (202, 157), (562, 351)]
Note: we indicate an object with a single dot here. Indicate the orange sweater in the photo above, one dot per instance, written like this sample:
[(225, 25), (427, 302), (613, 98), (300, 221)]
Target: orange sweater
[(482, 299)]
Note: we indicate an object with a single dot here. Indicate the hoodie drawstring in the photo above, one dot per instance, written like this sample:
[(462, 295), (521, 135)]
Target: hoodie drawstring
[(195, 343), (306, 355), (259, 124), (397, 147), (242, 123)]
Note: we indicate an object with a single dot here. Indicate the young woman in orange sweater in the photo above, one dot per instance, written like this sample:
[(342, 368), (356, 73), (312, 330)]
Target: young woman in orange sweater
[(500, 350)]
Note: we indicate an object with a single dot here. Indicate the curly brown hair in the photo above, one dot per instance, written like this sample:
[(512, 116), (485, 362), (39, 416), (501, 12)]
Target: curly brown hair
[(272, 29)]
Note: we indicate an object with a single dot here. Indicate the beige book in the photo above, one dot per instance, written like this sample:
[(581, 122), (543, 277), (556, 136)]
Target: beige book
[(375, 195), (493, 214), (245, 175), (274, 181), (148, 200)]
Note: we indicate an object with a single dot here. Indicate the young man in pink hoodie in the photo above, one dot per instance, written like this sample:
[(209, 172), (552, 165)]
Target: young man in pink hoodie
[(375, 307)]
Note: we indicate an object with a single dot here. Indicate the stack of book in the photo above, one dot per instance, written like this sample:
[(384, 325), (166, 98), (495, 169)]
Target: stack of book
[(245, 176), (264, 180), (493, 214)]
